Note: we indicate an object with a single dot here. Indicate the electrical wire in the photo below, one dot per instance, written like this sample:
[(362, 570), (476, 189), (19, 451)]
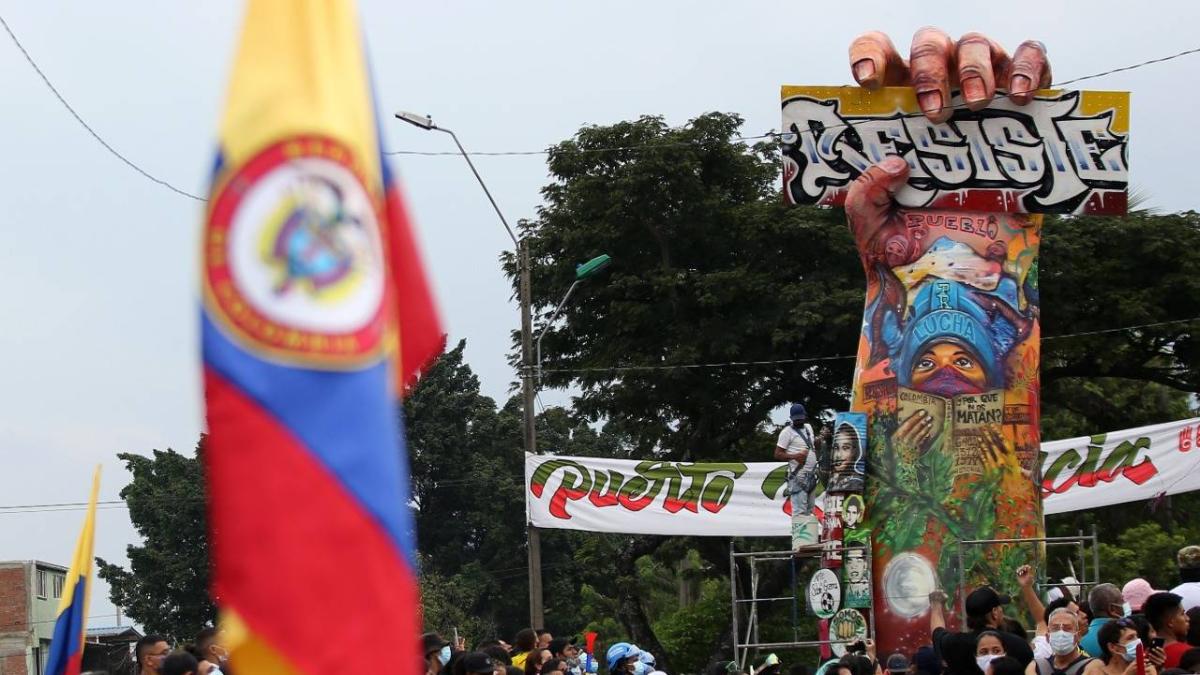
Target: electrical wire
[(128, 162), (511, 153), (815, 359)]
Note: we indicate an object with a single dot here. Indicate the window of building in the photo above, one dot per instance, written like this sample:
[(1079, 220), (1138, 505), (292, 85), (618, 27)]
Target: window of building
[(59, 580), (41, 583)]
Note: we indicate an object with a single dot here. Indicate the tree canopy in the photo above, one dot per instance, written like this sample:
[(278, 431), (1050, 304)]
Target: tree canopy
[(165, 588)]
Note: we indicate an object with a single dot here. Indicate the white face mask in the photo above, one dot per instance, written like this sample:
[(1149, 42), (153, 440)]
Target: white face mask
[(1131, 650), (1126, 608), (1062, 642), (983, 661)]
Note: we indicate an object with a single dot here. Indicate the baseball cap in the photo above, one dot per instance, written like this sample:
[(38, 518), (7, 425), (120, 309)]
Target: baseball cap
[(798, 411), (1136, 592), (478, 662), (897, 663), (983, 600), (1188, 557), (432, 643), (560, 643)]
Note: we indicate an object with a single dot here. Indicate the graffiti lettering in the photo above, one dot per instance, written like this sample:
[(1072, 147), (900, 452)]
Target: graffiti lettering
[(1046, 157), (1072, 468), (682, 486)]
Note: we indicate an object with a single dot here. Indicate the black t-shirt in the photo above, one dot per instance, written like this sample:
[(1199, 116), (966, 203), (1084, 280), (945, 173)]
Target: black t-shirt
[(958, 650)]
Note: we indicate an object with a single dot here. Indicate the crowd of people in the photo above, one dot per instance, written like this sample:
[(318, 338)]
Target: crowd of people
[(532, 652), (1105, 630)]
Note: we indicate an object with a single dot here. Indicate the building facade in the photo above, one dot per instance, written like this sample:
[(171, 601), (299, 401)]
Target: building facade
[(29, 594)]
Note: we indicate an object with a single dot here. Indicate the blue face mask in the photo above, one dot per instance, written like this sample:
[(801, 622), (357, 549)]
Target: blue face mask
[(1131, 650), (1126, 608), (444, 655), (640, 668)]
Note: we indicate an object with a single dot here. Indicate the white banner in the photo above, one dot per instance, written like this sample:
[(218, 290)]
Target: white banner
[(748, 499), (1123, 466)]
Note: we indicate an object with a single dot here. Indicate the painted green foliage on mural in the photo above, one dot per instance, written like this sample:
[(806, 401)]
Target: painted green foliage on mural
[(920, 501)]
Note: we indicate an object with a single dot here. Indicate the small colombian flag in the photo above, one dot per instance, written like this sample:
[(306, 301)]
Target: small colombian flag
[(66, 647)]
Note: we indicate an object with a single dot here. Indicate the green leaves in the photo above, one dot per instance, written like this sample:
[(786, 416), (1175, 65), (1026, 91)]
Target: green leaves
[(165, 588), (708, 266)]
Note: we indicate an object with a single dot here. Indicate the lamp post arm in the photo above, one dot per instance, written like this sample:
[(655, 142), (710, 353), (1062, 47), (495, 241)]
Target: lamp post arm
[(542, 334), (463, 151)]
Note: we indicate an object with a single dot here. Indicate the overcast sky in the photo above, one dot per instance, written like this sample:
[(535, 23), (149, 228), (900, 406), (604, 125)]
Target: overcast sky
[(98, 349)]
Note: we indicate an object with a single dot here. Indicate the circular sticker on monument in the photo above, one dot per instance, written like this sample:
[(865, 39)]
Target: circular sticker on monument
[(824, 593), (847, 627), (293, 257), (908, 580)]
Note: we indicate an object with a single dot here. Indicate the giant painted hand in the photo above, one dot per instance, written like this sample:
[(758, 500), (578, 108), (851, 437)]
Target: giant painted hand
[(947, 363), (976, 64)]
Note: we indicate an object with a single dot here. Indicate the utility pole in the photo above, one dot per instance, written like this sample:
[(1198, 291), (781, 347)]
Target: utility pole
[(536, 613)]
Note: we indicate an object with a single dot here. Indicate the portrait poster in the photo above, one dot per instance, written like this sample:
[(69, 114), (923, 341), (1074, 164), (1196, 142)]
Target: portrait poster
[(848, 453), (856, 572)]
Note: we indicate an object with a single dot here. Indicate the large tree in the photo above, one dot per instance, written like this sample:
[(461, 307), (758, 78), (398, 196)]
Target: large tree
[(165, 588), (709, 267)]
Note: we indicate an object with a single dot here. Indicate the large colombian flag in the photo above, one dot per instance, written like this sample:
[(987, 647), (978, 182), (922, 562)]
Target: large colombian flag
[(316, 314), (66, 645)]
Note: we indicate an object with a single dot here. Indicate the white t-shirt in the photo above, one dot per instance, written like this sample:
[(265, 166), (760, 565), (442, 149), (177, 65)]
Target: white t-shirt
[(1041, 647), (794, 442), (1190, 592)]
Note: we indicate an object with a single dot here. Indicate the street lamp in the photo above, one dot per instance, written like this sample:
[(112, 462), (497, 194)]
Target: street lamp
[(425, 122), (583, 271)]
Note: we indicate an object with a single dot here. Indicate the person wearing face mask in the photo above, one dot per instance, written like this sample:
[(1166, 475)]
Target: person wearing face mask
[(1064, 642), (1107, 603), (210, 647), (988, 647), (624, 658), (1119, 642), (985, 612), (437, 652)]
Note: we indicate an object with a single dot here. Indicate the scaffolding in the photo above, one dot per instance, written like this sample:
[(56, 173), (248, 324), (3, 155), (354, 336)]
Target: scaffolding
[(798, 565)]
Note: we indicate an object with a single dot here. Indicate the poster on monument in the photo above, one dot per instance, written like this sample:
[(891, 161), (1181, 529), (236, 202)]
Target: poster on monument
[(831, 531), (857, 572), (848, 465), (947, 361)]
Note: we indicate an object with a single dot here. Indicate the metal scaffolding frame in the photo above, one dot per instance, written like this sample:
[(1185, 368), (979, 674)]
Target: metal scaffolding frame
[(1088, 576), (1078, 542), (742, 648)]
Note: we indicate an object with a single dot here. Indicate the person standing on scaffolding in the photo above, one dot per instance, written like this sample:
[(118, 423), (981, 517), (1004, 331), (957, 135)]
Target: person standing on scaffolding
[(798, 446)]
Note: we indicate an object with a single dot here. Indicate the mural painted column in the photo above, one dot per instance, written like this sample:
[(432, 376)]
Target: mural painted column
[(948, 376), (947, 362)]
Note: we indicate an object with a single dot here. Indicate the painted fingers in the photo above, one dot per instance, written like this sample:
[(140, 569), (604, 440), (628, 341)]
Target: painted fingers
[(976, 64)]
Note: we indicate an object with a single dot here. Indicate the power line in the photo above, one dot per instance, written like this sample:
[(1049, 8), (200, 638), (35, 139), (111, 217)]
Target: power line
[(505, 153), (85, 125), (815, 359), (1122, 69)]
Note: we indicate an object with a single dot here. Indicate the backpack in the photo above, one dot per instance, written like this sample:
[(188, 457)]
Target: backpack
[(1047, 667)]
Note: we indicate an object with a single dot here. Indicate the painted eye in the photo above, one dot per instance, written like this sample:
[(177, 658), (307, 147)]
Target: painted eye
[(925, 364), (964, 362)]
